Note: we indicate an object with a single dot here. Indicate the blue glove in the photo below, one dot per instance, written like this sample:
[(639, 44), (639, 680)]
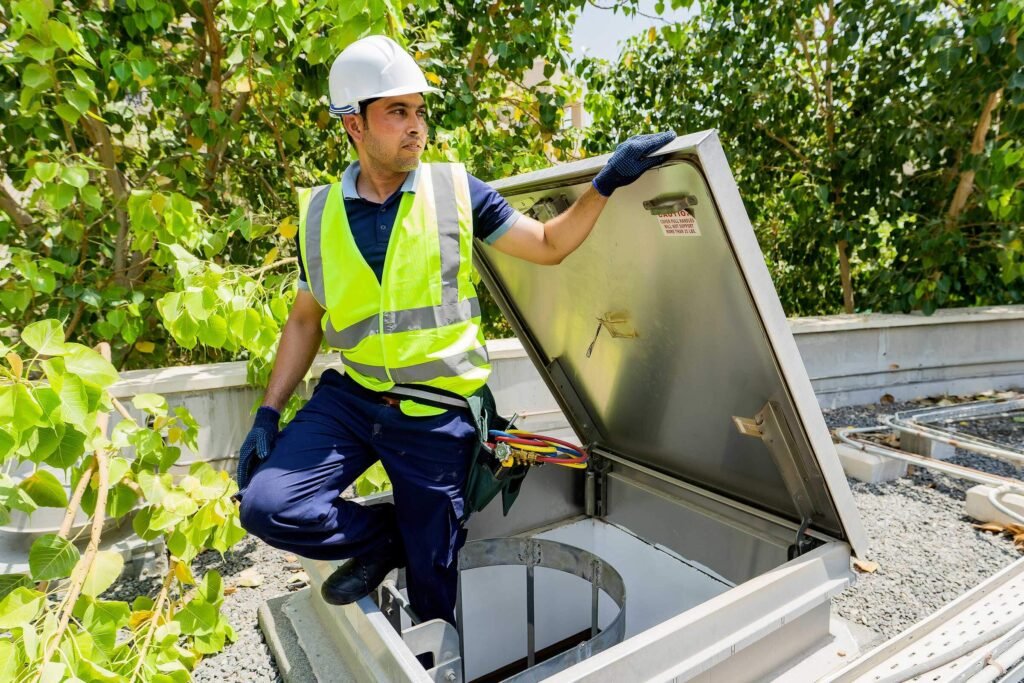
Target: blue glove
[(630, 161), (258, 443)]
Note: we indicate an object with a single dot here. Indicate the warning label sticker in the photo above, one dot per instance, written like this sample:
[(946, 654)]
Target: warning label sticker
[(679, 224)]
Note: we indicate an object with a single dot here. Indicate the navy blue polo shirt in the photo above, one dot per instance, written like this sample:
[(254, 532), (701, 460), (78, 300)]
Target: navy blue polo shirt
[(371, 223)]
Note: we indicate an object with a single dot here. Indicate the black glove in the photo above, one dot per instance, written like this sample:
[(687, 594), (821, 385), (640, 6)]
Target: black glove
[(259, 443), (630, 160)]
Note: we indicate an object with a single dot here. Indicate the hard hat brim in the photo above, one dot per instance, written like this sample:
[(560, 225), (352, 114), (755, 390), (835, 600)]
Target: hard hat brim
[(394, 92)]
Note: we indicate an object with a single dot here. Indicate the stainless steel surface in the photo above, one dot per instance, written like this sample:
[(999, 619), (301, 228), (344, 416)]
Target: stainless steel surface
[(549, 494), (531, 619), (745, 545), (389, 587), (440, 639), (695, 335), (744, 634), (535, 552)]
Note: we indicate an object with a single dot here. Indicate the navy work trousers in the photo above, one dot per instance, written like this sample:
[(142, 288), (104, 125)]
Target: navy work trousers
[(293, 500)]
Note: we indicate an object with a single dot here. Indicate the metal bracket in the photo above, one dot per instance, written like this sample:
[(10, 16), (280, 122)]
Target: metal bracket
[(770, 426), (670, 203), (441, 640), (549, 207)]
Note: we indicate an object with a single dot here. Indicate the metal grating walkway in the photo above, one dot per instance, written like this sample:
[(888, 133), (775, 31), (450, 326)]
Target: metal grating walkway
[(977, 637)]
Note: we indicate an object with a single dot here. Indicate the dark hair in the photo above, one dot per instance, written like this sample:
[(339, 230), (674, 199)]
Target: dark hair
[(363, 104)]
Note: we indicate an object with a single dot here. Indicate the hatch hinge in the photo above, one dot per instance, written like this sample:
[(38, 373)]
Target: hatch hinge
[(595, 492), (770, 426)]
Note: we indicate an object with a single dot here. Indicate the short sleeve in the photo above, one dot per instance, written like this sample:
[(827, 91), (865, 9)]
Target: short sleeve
[(492, 215)]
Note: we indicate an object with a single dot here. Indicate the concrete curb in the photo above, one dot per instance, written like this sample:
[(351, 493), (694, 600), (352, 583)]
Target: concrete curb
[(295, 636)]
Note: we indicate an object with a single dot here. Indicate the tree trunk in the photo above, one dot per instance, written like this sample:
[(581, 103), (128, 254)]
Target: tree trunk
[(844, 275)]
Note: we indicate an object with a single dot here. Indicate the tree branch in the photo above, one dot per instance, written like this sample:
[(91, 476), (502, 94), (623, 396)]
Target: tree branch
[(270, 266), (81, 570), (213, 165), (783, 141), (100, 136), (12, 208), (966, 183)]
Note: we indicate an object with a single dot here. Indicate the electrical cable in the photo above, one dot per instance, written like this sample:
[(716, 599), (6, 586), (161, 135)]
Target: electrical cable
[(530, 448)]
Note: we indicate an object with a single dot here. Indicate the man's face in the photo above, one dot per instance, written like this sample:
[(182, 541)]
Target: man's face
[(394, 131)]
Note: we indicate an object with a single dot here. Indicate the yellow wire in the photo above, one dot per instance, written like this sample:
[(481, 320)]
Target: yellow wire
[(535, 449)]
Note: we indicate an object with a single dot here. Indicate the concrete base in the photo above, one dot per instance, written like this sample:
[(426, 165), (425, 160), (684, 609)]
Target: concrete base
[(303, 651), (912, 443), (980, 508), (868, 467)]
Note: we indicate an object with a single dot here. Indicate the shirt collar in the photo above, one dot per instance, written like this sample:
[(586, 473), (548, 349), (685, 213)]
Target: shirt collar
[(351, 174)]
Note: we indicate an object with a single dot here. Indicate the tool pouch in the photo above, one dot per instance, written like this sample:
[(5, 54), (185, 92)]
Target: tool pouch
[(487, 477)]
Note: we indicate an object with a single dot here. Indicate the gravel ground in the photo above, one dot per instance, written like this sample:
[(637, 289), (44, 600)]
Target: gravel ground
[(927, 552)]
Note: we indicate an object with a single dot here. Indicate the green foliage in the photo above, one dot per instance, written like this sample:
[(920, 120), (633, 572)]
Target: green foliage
[(55, 401), (849, 127), (150, 150)]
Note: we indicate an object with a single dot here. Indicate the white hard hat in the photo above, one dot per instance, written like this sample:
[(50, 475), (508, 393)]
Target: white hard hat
[(375, 66)]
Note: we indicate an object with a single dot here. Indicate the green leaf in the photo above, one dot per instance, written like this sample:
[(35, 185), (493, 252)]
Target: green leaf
[(69, 450), (45, 489), (198, 617), (20, 607), (91, 196), (67, 112), (9, 582), (34, 12), (121, 500), (77, 176), (75, 403), (36, 76), (155, 404), (51, 557), (54, 672), (41, 443), (8, 661), (89, 365), (45, 336), (45, 170), (142, 525), (106, 567), (102, 619), (62, 35), (18, 407)]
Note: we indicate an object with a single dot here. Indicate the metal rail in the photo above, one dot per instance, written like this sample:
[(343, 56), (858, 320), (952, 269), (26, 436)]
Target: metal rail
[(916, 422), (967, 473), (536, 552)]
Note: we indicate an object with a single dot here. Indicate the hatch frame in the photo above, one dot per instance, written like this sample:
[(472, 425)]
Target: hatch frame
[(817, 453)]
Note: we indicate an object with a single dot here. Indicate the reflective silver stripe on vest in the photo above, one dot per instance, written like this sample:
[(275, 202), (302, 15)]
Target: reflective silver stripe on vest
[(425, 318), (447, 230), (452, 366), (314, 217)]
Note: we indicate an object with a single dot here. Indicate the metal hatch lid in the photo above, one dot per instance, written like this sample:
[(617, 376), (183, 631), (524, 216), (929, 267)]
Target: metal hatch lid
[(663, 339)]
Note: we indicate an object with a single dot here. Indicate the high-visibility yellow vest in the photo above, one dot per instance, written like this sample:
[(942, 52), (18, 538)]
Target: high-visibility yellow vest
[(420, 324)]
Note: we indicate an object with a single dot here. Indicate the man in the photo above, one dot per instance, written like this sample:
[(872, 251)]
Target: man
[(386, 275)]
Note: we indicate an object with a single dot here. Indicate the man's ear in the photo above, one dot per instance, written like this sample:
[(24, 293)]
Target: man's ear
[(354, 125)]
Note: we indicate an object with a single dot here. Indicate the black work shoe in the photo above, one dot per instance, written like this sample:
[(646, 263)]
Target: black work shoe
[(357, 578)]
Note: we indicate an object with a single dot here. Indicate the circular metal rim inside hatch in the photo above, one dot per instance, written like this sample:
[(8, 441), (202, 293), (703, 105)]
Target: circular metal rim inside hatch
[(537, 552)]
